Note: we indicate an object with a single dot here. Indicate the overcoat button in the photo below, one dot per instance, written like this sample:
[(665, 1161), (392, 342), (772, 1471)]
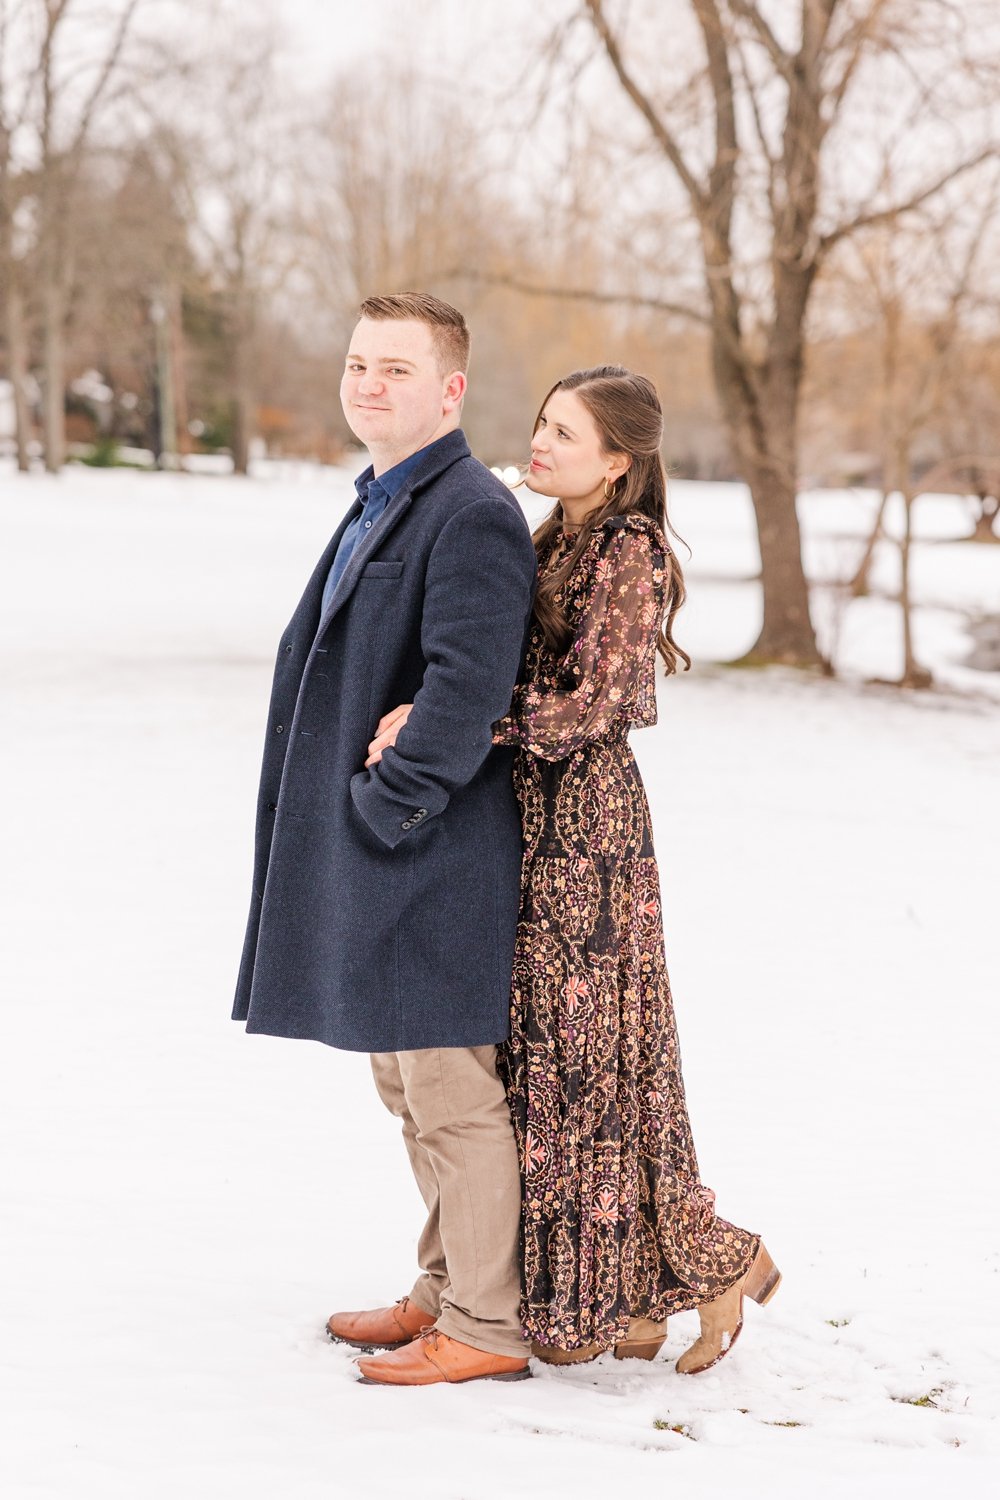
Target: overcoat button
[(288, 650), (272, 807), (407, 824), (279, 728)]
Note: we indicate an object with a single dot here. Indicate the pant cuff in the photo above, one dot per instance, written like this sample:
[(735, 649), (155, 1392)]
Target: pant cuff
[(483, 1338), (420, 1299)]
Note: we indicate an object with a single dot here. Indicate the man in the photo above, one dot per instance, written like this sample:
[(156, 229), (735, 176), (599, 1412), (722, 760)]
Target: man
[(386, 882)]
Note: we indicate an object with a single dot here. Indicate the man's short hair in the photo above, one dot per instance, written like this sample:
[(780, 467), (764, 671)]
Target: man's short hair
[(448, 327)]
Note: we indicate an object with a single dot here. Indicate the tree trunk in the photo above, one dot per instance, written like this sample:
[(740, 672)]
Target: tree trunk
[(989, 507), (167, 424), (176, 325), (860, 583), (244, 404), (242, 429), (914, 675), (787, 634), (17, 357), (54, 394), (242, 372), (767, 453)]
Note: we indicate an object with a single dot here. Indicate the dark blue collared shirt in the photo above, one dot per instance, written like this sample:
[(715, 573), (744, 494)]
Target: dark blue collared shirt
[(375, 495)]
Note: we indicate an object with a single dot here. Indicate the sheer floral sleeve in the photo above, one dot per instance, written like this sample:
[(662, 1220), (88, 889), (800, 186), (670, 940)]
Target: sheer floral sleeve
[(608, 669)]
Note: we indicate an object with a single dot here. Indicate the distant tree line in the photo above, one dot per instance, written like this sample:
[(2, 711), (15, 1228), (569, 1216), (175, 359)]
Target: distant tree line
[(184, 240)]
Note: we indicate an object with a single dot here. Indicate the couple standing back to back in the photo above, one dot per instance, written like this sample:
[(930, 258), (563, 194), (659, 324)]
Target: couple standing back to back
[(454, 870)]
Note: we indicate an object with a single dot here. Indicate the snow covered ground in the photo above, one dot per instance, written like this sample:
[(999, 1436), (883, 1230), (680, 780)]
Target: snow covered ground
[(182, 1206)]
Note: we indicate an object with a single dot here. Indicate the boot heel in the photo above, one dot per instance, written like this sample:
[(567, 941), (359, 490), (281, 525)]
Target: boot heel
[(638, 1351), (550, 1355), (763, 1278), (644, 1340)]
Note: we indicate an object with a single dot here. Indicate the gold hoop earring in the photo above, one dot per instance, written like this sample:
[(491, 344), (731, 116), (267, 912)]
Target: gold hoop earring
[(609, 494)]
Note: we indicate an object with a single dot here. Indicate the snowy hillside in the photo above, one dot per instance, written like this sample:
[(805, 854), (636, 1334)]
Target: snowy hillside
[(183, 1206)]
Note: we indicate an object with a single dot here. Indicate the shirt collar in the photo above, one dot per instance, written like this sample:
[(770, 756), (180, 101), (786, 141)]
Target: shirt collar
[(394, 479)]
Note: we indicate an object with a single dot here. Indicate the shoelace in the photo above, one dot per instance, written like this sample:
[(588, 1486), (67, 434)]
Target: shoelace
[(399, 1308)]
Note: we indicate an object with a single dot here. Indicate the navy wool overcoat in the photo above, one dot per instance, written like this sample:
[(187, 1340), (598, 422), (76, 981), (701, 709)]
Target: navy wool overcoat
[(385, 901)]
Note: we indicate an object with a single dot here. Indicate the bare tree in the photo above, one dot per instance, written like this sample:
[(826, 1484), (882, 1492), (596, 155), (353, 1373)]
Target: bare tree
[(12, 288), (748, 138), (405, 205), (416, 203), (921, 282), (969, 422), (69, 67), (238, 130), (13, 180)]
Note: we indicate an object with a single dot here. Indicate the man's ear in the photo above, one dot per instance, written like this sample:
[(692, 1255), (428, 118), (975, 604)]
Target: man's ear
[(454, 391)]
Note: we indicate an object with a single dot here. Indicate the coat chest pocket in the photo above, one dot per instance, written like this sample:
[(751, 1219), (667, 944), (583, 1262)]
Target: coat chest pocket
[(382, 570)]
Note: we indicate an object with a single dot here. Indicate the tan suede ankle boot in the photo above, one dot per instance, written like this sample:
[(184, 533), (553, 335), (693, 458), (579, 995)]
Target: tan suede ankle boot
[(644, 1339), (722, 1320), (550, 1355)]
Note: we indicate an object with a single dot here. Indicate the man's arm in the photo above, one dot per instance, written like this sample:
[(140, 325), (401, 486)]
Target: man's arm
[(480, 585)]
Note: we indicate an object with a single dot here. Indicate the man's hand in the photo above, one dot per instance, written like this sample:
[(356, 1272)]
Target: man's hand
[(386, 731)]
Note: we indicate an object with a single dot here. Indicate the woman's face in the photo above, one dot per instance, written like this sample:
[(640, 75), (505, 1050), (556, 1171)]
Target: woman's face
[(567, 460)]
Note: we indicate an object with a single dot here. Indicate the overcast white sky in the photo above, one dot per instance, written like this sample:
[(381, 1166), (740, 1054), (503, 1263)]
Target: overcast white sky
[(323, 34)]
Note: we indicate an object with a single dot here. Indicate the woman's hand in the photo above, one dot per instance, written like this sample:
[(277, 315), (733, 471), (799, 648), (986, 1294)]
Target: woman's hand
[(386, 731)]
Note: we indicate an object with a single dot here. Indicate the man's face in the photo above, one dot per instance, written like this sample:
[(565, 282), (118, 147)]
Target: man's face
[(394, 393)]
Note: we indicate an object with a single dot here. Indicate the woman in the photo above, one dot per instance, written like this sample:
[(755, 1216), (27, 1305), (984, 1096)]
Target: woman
[(617, 1229)]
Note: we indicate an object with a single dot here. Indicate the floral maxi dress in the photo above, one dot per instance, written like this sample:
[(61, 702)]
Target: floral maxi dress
[(615, 1221)]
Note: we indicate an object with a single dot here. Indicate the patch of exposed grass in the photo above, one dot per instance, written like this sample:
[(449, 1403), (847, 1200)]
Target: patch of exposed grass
[(681, 1429), (838, 1322), (930, 1398)]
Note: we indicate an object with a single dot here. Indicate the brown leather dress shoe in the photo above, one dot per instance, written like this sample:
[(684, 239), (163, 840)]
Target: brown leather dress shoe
[(435, 1359), (382, 1328)]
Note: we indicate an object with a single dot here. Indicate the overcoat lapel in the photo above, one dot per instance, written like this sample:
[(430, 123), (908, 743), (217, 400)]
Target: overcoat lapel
[(448, 451), (387, 522), (307, 610)]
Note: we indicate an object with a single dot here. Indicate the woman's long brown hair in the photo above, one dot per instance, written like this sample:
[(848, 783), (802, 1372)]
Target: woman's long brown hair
[(627, 412)]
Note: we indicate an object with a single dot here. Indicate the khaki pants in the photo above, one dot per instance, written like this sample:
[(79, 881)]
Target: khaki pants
[(458, 1133)]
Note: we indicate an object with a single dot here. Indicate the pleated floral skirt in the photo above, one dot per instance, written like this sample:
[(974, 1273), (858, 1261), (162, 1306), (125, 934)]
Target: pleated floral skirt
[(615, 1219)]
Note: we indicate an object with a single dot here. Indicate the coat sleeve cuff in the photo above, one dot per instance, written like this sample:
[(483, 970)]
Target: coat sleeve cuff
[(389, 821)]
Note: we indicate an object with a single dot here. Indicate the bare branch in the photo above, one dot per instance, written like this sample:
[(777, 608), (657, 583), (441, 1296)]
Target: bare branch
[(696, 192), (111, 61), (771, 161), (751, 13), (817, 17), (896, 210), (576, 294), (722, 178), (859, 38), (55, 10)]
